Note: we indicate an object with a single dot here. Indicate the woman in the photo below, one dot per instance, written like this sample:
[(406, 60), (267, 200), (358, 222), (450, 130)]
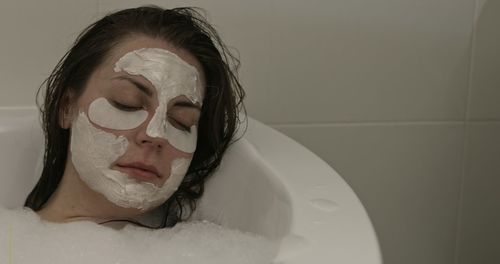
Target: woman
[(136, 116)]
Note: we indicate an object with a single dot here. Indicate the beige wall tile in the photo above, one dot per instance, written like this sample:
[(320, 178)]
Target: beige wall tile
[(244, 26), (479, 7), (480, 218), (485, 80), (366, 61), (408, 178), (35, 35), (106, 6)]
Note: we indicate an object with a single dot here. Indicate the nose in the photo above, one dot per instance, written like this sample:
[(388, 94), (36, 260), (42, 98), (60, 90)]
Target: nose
[(143, 139), (153, 142)]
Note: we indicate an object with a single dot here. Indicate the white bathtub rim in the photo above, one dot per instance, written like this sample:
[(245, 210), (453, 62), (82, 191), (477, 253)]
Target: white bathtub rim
[(359, 243)]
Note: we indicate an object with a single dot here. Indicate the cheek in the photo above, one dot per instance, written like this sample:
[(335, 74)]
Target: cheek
[(172, 153), (102, 113), (171, 167)]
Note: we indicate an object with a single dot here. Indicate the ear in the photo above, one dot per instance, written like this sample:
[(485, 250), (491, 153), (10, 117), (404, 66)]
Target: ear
[(65, 112)]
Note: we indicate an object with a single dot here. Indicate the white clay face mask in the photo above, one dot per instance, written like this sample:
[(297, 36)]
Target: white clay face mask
[(94, 150), (171, 77), (102, 113)]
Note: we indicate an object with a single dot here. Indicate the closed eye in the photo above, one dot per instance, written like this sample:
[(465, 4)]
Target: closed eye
[(179, 125), (124, 107)]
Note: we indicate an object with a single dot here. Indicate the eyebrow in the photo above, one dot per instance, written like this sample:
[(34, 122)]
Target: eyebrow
[(148, 92), (137, 84)]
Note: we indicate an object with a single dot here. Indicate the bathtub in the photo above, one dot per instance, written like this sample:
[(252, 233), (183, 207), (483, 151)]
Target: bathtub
[(267, 184)]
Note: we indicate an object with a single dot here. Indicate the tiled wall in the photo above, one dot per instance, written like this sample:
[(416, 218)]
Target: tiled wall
[(479, 236), (34, 36), (379, 89)]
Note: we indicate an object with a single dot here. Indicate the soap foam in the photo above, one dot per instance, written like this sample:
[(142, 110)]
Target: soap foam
[(24, 238)]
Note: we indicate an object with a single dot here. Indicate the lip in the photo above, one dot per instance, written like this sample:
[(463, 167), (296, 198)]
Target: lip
[(139, 170)]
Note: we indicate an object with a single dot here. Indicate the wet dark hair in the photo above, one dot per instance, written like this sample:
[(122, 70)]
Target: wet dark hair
[(184, 28)]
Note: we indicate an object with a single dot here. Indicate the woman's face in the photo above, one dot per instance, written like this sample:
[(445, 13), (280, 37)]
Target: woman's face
[(134, 127)]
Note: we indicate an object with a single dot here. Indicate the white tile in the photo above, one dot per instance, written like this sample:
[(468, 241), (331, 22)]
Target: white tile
[(366, 61), (479, 6), (408, 178), (244, 26), (35, 35), (485, 82), (106, 6), (480, 221)]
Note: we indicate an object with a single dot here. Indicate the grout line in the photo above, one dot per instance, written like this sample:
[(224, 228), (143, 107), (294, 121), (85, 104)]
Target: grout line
[(465, 144), (392, 123), (471, 63), (463, 170), (492, 121), (20, 107)]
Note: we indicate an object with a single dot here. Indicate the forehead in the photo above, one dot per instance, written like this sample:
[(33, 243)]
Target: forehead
[(137, 42)]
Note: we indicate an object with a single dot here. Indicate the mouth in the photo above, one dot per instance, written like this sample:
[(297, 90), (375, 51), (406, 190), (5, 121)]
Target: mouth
[(139, 170)]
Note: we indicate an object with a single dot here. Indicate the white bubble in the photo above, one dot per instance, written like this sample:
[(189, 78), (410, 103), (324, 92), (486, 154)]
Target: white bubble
[(24, 238)]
